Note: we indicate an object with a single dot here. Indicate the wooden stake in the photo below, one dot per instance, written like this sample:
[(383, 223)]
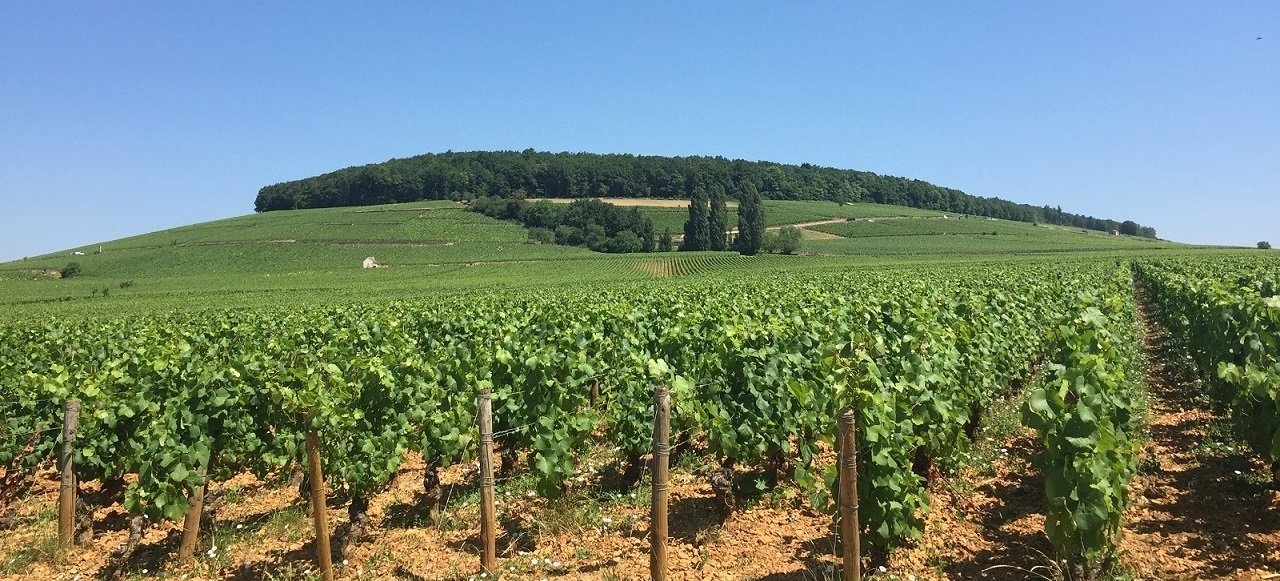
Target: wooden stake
[(661, 459), (191, 525), (67, 490), (318, 508), (850, 549), (488, 522)]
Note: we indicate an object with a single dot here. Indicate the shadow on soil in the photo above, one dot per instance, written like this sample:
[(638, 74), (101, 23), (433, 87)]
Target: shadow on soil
[(1219, 505), (1017, 552)]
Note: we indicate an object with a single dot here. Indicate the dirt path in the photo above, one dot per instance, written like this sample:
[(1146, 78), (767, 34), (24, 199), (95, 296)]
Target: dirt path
[(1198, 509), (801, 225)]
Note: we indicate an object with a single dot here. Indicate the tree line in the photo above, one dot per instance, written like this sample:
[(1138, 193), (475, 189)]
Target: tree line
[(529, 173), (594, 224)]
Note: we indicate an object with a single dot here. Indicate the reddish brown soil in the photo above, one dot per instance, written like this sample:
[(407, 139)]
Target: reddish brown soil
[(1193, 515), (1196, 514), (762, 542)]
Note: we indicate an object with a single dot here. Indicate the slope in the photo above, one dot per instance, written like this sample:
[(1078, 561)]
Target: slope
[(309, 256)]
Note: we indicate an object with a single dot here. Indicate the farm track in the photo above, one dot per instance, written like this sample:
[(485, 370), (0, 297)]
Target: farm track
[(1194, 513), (801, 225)]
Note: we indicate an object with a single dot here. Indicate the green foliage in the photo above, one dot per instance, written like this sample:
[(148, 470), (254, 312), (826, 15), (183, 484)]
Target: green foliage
[(72, 269), (1084, 416), (1226, 317), (751, 223), (718, 220), (697, 235), (508, 174), (664, 242), (592, 223), (542, 235), (1264, 245), (757, 365), (788, 240)]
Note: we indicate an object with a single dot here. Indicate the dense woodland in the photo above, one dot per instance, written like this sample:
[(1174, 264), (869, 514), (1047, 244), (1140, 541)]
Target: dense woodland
[(599, 226), (470, 175)]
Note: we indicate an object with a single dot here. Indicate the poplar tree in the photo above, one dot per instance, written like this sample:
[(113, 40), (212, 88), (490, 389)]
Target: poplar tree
[(750, 220), (718, 221), (696, 227)]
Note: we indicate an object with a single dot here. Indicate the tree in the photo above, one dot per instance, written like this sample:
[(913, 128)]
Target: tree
[(70, 270), (568, 235), (1129, 228), (718, 220), (595, 238), (1264, 245), (789, 240), (750, 221), (542, 235), (664, 241), (696, 227), (647, 235), (769, 243), (531, 174), (625, 241)]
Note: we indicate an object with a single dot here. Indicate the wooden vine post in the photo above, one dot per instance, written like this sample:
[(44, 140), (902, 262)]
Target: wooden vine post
[(67, 490), (318, 508), (849, 545), (488, 522), (661, 460), (191, 524)]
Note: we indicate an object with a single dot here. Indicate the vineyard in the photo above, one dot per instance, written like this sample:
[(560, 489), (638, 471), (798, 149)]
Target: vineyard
[(758, 371), (1227, 315)]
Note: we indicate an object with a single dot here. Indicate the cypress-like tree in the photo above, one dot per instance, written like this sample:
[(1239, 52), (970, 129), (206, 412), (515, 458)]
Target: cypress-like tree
[(718, 221), (647, 235), (696, 227), (664, 241), (750, 220)]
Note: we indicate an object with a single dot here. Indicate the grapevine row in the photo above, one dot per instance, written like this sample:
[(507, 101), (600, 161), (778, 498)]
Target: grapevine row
[(757, 370)]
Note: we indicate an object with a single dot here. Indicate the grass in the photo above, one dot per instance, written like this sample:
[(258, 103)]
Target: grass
[(783, 212), (293, 572), (1001, 421), (301, 257), (290, 523), (42, 547)]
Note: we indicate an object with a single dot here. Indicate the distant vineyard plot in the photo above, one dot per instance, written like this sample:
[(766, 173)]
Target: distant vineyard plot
[(314, 256)]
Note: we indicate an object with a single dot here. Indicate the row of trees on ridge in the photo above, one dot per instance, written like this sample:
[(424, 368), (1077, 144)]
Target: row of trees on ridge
[(529, 173)]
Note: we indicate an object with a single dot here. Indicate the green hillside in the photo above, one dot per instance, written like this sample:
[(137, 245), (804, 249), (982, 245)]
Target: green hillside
[(308, 256)]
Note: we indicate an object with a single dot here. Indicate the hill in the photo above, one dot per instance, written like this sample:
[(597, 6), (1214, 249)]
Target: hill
[(467, 175), (315, 256)]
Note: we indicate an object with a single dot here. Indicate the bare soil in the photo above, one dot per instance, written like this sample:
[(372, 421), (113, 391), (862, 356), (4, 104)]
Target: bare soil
[(1201, 507), (589, 535), (1198, 510)]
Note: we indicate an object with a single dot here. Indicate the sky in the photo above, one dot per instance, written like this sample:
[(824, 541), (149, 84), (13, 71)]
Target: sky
[(122, 118)]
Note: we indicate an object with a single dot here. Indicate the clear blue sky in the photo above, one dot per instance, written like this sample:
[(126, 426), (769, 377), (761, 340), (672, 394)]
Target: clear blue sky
[(118, 118)]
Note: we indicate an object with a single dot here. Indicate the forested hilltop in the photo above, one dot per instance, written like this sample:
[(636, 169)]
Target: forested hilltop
[(529, 173)]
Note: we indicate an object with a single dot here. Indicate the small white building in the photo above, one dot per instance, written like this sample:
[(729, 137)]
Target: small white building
[(77, 253), (370, 263)]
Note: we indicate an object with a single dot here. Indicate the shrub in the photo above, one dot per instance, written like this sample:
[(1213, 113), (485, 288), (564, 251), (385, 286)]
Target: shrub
[(542, 235), (70, 270), (789, 240), (568, 235), (769, 243), (626, 241)]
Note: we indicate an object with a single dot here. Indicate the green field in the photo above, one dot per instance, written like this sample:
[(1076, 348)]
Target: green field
[(784, 212), (314, 256)]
